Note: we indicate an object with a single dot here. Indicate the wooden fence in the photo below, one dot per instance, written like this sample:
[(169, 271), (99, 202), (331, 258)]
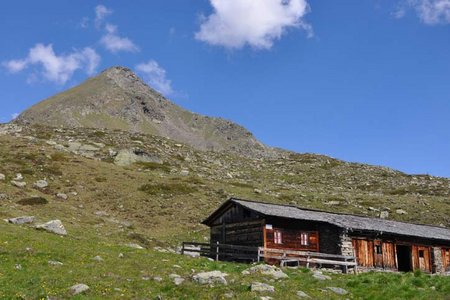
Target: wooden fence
[(284, 257), (289, 257), (219, 251)]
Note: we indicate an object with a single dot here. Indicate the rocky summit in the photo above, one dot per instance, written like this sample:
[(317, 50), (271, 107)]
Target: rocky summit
[(118, 99)]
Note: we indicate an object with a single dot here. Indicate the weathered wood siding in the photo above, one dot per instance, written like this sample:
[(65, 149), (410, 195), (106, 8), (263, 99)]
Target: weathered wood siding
[(364, 252), (235, 214), (446, 258), (292, 239), (242, 233), (389, 259), (368, 254), (421, 258)]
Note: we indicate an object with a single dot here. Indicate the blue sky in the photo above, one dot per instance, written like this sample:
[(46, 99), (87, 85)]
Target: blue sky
[(365, 81)]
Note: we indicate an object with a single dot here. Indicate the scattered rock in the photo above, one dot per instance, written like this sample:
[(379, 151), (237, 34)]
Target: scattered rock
[(273, 271), (384, 214), (302, 294), (319, 276), (228, 295), (401, 212), (257, 191), (55, 263), (54, 226), (18, 177), (134, 246), (184, 172), (3, 196), (78, 289), (18, 267), (157, 279), (61, 196), (121, 255), (2, 177), (41, 184), (210, 277), (112, 153), (128, 157), (266, 298), (97, 258), (337, 290), (177, 279), (19, 184), (101, 213), (262, 287), (21, 220)]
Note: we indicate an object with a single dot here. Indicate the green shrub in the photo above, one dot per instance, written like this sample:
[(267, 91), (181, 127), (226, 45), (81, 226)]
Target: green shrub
[(33, 201), (167, 188), (58, 157), (154, 166)]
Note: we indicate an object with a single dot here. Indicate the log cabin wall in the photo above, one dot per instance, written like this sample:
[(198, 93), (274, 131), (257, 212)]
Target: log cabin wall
[(249, 233), (378, 253), (285, 234), (238, 226)]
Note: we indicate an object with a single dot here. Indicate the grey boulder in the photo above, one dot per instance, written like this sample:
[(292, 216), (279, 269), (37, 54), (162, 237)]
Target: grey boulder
[(210, 277), (78, 289), (54, 226), (21, 220)]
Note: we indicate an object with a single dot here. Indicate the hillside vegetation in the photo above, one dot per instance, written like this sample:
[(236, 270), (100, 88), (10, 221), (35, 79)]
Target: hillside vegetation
[(112, 188)]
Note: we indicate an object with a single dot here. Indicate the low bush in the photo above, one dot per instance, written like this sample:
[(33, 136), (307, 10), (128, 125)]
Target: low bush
[(33, 201)]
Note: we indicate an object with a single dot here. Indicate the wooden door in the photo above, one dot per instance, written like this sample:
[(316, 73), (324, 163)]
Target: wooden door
[(421, 258), (378, 253), (389, 255), (364, 252), (446, 258)]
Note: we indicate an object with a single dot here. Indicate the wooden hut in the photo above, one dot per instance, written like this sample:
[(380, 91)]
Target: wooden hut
[(375, 243)]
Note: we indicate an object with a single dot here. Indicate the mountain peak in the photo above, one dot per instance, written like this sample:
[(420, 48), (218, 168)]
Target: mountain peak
[(118, 70), (118, 99)]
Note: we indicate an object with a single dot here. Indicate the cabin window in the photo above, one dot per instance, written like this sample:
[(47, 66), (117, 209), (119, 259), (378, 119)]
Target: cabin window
[(378, 249), (421, 253), (304, 239), (278, 239)]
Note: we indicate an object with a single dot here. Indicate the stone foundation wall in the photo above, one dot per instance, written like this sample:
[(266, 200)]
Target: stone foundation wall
[(345, 244), (438, 264)]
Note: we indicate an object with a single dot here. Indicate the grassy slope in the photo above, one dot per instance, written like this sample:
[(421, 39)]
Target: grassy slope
[(169, 208), (132, 276)]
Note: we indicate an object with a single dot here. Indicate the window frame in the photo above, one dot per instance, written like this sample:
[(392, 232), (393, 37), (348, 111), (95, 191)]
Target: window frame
[(378, 250), (304, 239), (277, 237)]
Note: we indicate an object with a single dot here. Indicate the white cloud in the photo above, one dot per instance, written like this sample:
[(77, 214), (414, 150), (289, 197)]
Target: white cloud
[(236, 23), (53, 67), (14, 116), (114, 43), (155, 76), (430, 12), (111, 40), (101, 12), (15, 65)]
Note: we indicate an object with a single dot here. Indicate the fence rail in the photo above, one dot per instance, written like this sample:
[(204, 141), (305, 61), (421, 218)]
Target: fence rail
[(288, 257), (221, 251), (284, 257)]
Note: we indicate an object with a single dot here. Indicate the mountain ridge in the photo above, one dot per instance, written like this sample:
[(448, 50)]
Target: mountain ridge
[(118, 99)]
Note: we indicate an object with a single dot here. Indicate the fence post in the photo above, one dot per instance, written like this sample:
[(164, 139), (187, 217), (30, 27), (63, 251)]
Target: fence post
[(217, 250), (182, 248)]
